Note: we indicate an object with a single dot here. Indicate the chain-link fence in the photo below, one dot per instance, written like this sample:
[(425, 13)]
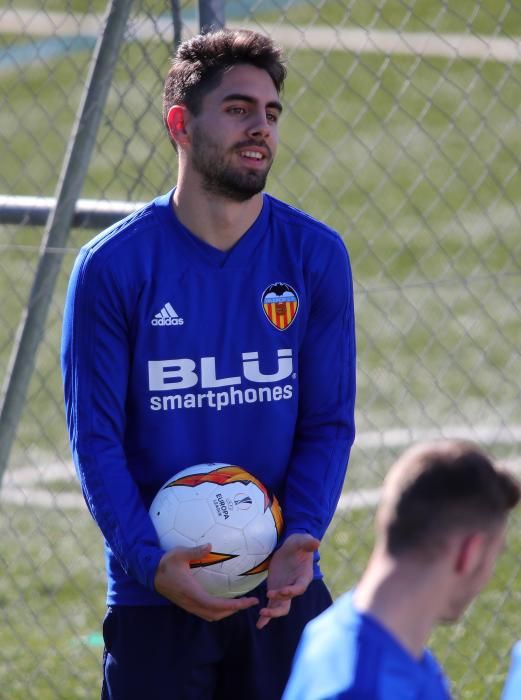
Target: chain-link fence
[(401, 130)]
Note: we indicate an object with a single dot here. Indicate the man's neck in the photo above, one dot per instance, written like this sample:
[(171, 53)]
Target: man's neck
[(218, 221), (403, 598)]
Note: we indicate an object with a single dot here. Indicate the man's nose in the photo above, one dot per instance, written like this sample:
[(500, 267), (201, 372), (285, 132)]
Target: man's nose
[(259, 127)]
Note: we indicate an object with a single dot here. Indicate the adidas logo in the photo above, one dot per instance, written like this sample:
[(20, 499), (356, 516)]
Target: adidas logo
[(167, 317)]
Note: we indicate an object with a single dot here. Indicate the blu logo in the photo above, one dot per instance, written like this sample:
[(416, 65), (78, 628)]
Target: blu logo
[(183, 373)]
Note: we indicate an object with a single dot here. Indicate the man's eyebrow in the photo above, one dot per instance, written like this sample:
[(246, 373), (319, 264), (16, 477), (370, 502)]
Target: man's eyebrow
[(273, 104)]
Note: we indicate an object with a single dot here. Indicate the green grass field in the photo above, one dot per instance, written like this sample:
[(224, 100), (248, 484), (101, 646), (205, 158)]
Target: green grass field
[(415, 162)]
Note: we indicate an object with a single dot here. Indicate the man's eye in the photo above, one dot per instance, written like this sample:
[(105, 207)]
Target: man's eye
[(236, 110), (272, 117)]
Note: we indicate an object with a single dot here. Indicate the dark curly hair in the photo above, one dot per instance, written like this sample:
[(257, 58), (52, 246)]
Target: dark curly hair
[(199, 64)]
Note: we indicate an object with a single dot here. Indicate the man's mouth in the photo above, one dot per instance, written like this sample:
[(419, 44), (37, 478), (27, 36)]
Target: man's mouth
[(254, 155)]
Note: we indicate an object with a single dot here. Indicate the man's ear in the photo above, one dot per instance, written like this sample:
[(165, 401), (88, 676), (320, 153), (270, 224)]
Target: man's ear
[(176, 120), (469, 552)]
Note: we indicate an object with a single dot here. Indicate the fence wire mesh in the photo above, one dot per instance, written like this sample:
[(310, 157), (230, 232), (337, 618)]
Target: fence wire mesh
[(401, 130)]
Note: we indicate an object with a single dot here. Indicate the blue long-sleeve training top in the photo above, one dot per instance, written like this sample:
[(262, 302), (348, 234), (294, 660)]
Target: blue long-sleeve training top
[(175, 353)]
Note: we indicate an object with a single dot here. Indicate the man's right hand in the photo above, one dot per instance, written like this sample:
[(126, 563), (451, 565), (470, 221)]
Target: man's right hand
[(175, 580)]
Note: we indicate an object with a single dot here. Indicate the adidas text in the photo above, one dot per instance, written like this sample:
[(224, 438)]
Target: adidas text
[(167, 321), (167, 317)]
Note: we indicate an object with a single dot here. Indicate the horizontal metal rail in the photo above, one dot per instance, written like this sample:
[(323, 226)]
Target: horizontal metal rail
[(88, 213)]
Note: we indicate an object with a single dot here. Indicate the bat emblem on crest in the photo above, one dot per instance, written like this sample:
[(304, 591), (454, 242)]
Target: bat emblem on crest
[(280, 304)]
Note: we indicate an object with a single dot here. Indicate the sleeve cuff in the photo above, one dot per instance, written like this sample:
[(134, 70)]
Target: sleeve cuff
[(146, 565)]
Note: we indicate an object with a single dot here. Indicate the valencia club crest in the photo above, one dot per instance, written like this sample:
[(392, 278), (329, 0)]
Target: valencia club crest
[(280, 304)]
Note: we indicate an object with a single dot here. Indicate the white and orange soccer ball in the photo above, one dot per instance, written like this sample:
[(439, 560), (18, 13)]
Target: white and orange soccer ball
[(225, 506)]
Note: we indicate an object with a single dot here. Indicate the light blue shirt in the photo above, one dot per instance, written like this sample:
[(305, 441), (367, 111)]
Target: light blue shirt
[(512, 690), (347, 655)]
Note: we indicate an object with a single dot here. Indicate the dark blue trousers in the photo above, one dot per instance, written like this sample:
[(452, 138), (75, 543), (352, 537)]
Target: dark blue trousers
[(164, 653)]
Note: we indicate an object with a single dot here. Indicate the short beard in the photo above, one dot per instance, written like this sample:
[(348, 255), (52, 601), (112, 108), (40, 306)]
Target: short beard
[(219, 178)]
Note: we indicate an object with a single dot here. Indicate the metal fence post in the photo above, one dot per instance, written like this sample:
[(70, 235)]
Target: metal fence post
[(176, 20), (211, 15), (74, 170)]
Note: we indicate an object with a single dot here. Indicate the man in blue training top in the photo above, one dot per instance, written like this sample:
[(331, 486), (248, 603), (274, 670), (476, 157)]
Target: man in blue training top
[(214, 325), (440, 527)]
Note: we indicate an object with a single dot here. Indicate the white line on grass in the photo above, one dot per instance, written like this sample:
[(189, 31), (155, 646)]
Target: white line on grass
[(27, 485), (358, 41), (42, 498), (452, 46), (400, 437)]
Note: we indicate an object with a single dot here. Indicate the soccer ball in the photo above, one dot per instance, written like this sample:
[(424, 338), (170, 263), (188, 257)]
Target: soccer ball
[(225, 506)]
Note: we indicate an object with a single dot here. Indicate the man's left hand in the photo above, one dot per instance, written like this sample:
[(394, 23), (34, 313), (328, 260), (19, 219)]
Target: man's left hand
[(289, 575)]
